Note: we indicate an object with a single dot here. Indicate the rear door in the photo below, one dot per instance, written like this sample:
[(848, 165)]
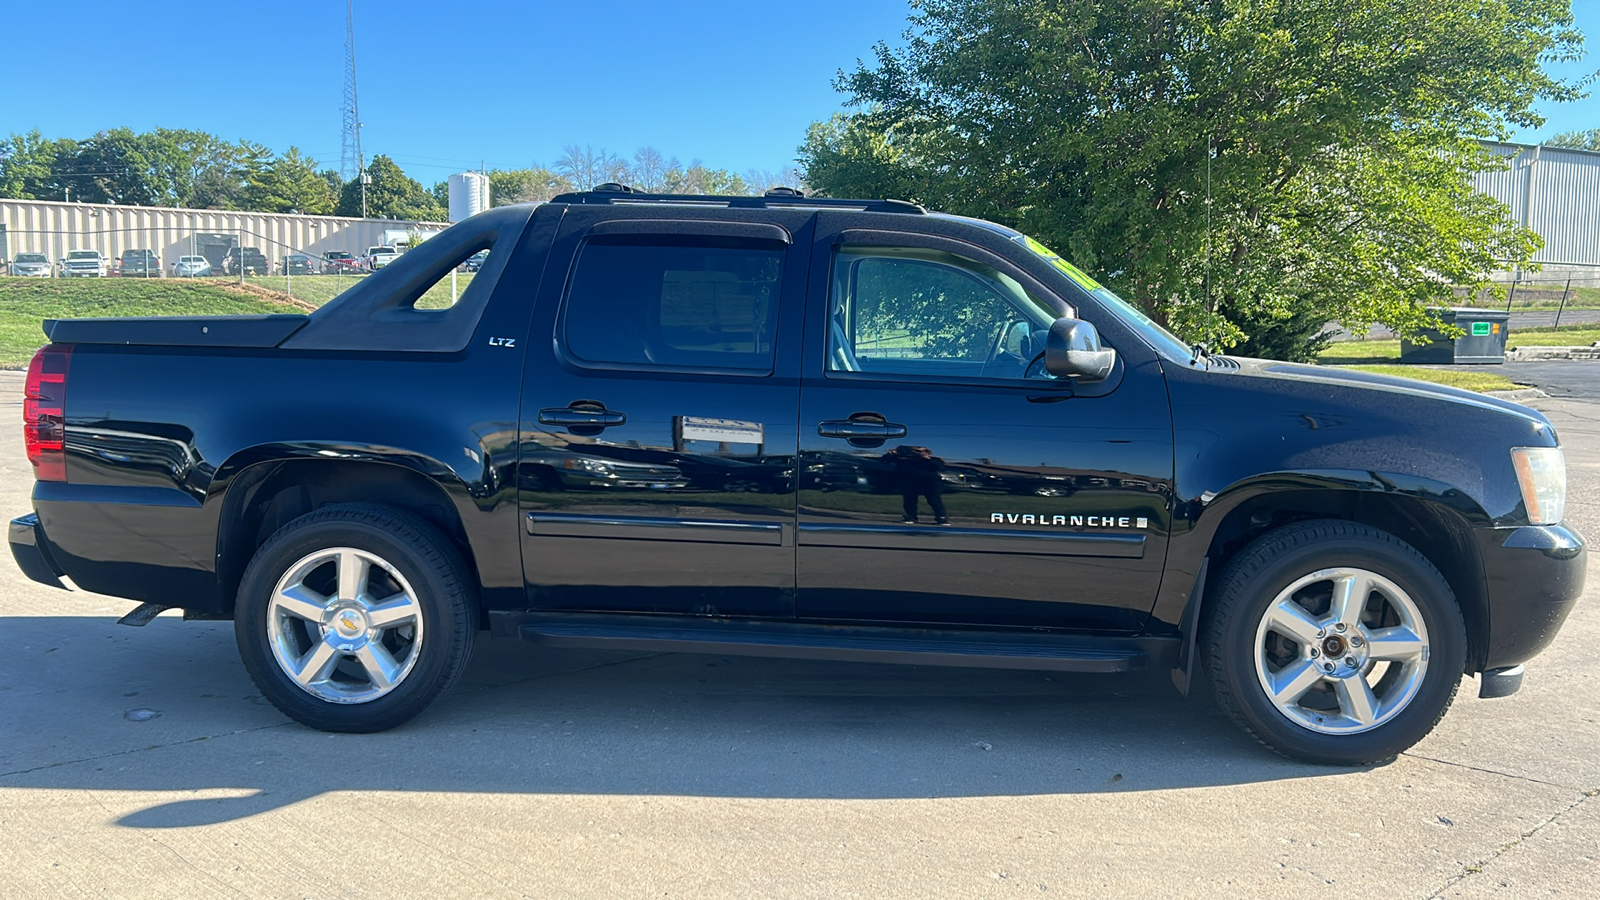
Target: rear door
[(658, 434)]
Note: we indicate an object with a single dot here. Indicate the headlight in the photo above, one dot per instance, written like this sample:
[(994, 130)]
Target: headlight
[(1542, 475), (588, 465)]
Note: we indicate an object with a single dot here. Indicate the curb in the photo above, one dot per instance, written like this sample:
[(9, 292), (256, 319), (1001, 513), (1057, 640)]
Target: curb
[(1526, 354), (1518, 394)]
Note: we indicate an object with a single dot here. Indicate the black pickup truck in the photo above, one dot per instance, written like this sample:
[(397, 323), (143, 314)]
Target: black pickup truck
[(790, 426)]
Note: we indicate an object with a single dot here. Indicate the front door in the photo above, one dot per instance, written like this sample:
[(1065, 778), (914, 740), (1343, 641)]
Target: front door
[(657, 447), (945, 477)]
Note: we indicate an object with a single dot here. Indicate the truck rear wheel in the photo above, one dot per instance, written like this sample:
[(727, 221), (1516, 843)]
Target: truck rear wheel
[(355, 618), (1333, 642)]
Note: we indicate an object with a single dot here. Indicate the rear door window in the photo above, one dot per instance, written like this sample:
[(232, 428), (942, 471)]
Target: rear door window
[(686, 303)]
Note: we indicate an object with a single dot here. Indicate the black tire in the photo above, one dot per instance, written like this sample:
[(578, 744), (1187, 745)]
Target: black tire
[(1252, 581), (437, 576)]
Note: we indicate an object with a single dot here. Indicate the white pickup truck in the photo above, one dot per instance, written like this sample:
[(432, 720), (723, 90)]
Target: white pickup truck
[(378, 257), (83, 264)]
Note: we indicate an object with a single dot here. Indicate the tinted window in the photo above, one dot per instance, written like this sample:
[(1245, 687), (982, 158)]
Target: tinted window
[(916, 312), (703, 304)]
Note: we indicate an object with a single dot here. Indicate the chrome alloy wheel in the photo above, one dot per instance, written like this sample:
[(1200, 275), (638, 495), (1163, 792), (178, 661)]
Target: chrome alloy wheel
[(1341, 651), (344, 625)]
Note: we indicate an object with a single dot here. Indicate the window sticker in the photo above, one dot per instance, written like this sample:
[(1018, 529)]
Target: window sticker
[(1054, 258)]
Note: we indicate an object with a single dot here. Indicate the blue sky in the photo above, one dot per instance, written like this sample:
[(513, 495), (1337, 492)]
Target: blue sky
[(445, 86)]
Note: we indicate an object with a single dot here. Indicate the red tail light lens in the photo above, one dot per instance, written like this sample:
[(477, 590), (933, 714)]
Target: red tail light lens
[(44, 412)]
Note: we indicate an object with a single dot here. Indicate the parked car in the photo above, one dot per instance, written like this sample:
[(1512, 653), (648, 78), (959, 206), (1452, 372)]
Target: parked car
[(139, 264), (336, 261), (191, 267), (297, 264), (31, 265), (255, 263), (83, 264), (602, 445), (378, 257), (475, 261)]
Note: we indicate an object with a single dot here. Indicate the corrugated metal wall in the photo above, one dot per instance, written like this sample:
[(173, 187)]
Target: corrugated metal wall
[(1556, 192), (51, 228)]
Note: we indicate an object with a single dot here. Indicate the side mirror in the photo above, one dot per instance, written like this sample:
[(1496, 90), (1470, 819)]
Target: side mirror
[(1072, 350)]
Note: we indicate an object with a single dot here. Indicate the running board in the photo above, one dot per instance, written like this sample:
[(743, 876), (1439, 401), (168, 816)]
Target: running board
[(915, 646)]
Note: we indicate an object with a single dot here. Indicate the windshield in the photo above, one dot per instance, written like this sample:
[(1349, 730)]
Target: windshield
[(1157, 336), (31, 258), (192, 259), (83, 254)]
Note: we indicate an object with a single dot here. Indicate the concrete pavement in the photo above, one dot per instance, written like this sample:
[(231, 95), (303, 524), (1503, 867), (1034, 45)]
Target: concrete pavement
[(142, 763)]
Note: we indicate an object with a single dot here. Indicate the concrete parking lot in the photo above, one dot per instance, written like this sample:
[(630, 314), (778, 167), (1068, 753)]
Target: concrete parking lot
[(142, 763)]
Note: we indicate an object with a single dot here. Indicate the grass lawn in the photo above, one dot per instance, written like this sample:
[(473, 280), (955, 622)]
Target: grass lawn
[(1471, 378), (319, 289), (25, 302), (1388, 351), (1565, 336)]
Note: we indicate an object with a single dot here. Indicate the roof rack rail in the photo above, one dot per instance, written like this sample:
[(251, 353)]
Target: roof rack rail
[(776, 198)]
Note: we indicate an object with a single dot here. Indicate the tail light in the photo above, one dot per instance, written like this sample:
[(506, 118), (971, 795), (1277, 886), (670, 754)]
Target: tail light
[(44, 412)]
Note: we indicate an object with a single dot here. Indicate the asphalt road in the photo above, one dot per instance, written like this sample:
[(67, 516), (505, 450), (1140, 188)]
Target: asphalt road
[(1573, 379), (142, 763)]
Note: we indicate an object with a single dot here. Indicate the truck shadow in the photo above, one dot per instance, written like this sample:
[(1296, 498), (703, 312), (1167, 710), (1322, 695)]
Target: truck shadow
[(80, 693)]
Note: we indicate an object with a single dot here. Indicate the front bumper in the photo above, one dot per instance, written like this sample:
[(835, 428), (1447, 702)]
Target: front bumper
[(1534, 576), (28, 549)]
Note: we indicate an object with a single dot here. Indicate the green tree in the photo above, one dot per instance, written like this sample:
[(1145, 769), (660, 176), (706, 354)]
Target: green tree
[(28, 166), (698, 179), (288, 183), (508, 186), (1578, 140), (391, 194), (1246, 169)]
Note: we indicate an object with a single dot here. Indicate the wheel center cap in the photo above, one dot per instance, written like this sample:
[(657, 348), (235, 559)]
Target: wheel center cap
[(349, 623), (1333, 646)]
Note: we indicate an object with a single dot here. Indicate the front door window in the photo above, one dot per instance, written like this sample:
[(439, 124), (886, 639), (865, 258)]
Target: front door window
[(925, 313)]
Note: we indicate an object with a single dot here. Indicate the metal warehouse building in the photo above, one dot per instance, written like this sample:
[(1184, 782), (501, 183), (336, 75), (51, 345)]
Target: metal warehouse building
[(52, 228), (1556, 192)]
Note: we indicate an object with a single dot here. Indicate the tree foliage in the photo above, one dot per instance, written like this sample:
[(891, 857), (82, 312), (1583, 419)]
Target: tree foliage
[(525, 185), (1246, 169), (391, 194), (1577, 140), (194, 169), (291, 184)]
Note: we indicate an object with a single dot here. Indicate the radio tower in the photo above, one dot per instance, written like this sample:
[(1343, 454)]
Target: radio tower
[(351, 163)]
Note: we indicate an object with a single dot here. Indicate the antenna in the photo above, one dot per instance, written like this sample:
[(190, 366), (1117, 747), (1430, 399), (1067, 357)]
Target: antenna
[(351, 162), (1211, 306)]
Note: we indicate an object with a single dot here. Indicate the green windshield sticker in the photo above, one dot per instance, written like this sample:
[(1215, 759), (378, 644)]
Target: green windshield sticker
[(1071, 271)]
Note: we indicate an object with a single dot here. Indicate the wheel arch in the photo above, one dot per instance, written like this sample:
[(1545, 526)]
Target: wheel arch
[(262, 495), (1435, 518)]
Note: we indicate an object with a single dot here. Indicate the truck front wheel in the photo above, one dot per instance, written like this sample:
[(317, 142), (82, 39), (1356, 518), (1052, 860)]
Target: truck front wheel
[(355, 618), (1334, 642)]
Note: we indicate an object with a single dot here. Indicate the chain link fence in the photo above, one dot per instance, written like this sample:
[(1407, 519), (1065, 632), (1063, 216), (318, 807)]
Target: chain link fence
[(1538, 292), (266, 266)]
